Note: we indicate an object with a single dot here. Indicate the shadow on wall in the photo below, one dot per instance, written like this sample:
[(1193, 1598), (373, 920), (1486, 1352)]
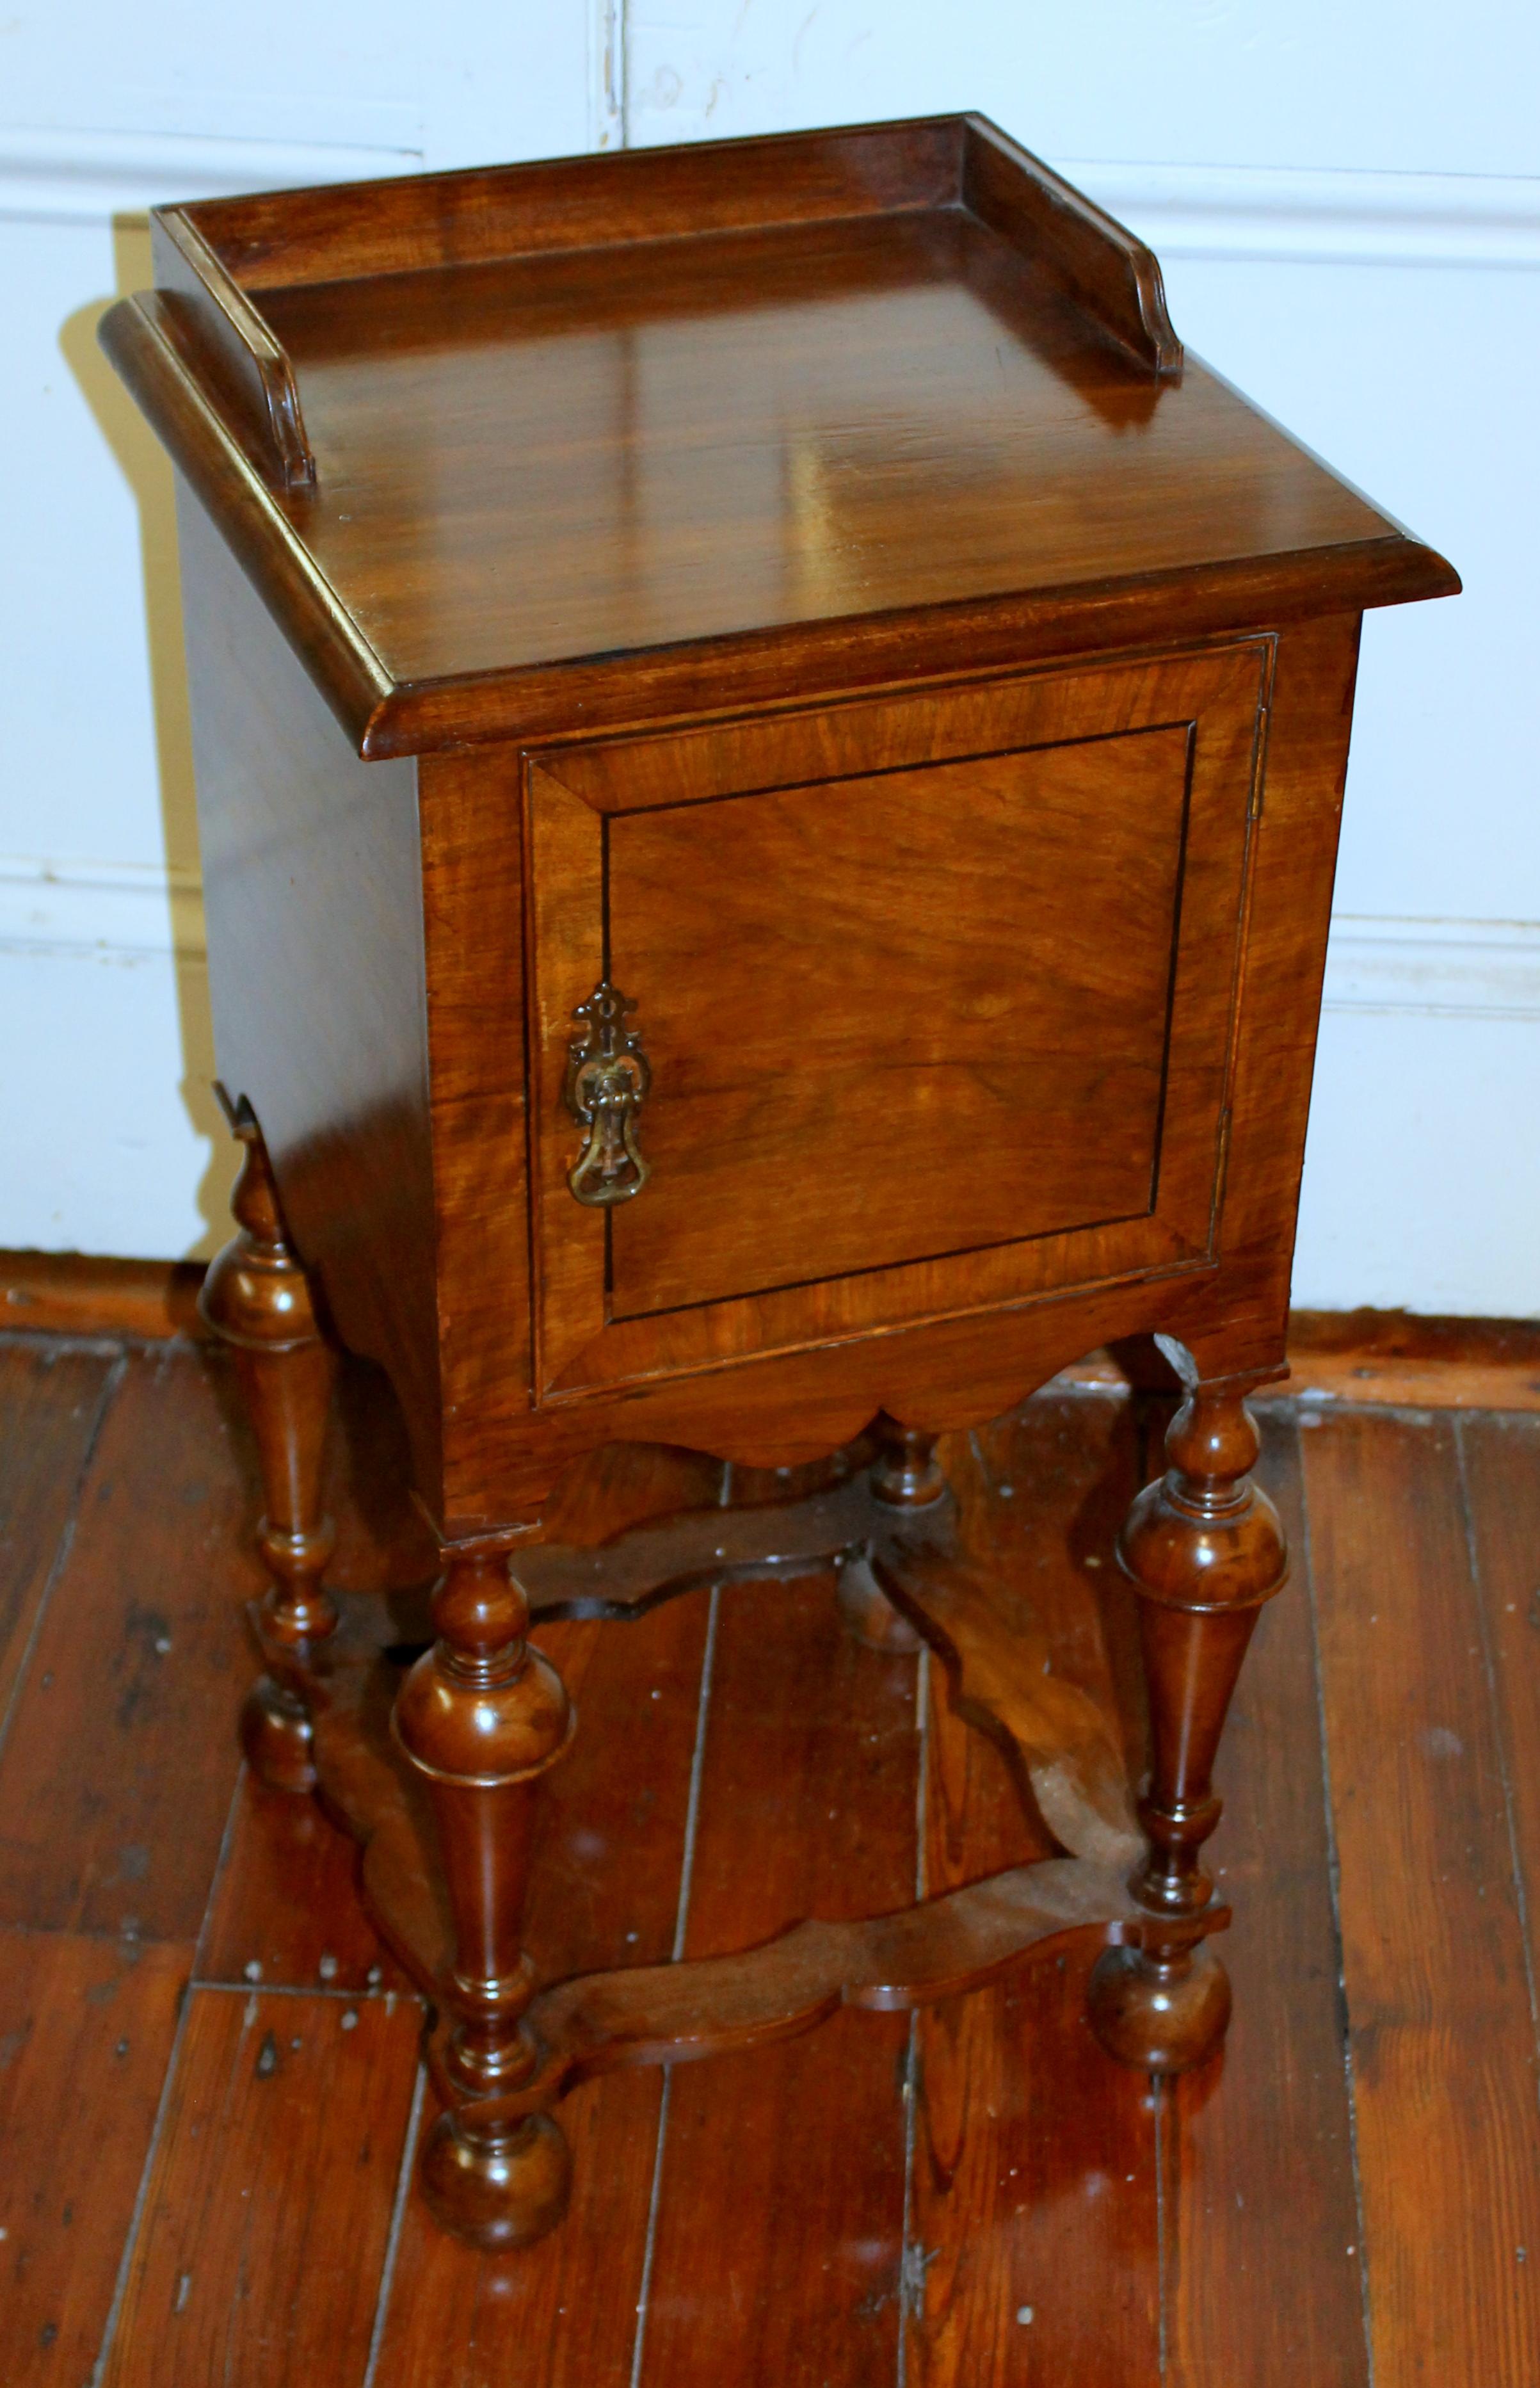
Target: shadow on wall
[(148, 471)]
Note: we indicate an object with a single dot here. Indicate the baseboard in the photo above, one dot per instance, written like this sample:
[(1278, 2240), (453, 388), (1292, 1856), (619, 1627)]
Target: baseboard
[(71, 1293), (1393, 1357), (1385, 1357)]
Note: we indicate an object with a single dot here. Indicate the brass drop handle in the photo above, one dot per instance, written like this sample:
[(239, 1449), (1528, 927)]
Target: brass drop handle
[(608, 1076)]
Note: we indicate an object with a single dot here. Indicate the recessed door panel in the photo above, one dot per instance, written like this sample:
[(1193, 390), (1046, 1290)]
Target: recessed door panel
[(897, 1016), (931, 998)]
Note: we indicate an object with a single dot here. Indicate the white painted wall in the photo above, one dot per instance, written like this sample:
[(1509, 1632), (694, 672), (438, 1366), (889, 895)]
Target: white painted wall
[(109, 1137), (1347, 206)]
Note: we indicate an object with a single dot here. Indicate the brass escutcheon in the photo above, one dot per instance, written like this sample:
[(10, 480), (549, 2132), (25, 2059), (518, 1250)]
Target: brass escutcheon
[(608, 1076)]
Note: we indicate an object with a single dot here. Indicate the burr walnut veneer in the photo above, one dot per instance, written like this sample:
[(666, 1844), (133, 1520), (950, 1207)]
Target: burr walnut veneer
[(769, 757)]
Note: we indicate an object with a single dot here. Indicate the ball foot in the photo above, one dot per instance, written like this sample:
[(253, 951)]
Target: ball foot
[(1159, 2015), (277, 1737), (869, 1615), (499, 2190)]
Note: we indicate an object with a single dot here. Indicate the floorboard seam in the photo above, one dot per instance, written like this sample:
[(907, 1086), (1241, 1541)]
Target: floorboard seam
[(922, 1783), (131, 2240), (383, 1995), (1505, 1766), (912, 2063), (654, 2205), (681, 1930), (217, 1877), (697, 1772), (104, 1400), (1333, 1882), (398, 2219), (134, 1944), (93, 1347), (1161, 2104)]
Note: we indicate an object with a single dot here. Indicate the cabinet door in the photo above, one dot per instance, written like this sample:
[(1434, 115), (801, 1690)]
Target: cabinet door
[(934, 994)]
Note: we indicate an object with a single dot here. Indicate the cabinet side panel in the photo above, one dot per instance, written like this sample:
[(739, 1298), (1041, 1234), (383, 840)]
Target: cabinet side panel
[(312, 878), (473, 864), (1310, 710)]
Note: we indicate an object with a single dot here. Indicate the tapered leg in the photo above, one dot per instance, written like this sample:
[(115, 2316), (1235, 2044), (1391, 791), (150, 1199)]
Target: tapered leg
[(481, 1716), (1204, 1550), (259, 1300), (906, 1475)]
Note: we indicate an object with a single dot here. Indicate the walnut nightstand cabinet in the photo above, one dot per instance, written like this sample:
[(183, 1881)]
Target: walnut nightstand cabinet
[(769, 763)]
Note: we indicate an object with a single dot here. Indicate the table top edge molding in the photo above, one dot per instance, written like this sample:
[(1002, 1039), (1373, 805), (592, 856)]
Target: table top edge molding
[(986, 220)]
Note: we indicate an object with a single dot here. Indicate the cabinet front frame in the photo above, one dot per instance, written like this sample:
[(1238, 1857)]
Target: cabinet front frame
[(1219, 690)]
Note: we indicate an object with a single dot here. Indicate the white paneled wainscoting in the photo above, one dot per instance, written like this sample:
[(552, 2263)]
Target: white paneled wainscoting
[(1368, 273)]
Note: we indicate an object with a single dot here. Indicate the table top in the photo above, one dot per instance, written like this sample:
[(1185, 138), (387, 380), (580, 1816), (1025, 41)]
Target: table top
[(658, 439)]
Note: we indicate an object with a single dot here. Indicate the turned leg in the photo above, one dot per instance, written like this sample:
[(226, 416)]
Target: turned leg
[(906, 1475), (1204, 1550), (260, 1301), (481, 1716)]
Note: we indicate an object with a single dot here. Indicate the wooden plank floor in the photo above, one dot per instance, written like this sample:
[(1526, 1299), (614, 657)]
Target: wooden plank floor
[(210, 2096)]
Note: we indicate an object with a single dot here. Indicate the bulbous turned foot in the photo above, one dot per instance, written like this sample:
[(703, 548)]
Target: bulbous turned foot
[(497, 2191), (1159, 2015), (277, 1737), (869, 1615)]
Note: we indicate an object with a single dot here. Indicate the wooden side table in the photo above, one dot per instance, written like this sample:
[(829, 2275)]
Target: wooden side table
[(769, 761)]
